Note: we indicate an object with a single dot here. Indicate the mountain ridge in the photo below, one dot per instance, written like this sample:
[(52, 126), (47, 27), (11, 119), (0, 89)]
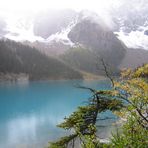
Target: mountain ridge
[(18, 58), (80, 39)]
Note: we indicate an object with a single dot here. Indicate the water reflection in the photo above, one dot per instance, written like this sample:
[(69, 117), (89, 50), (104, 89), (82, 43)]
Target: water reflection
[(30, 112), (32, 130)]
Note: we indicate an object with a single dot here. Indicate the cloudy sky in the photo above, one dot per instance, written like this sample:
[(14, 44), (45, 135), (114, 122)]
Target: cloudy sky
[(38, 5), (25, 7), (13, 10)]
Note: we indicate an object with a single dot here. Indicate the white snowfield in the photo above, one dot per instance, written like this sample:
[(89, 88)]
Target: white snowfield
[(134, 39), (21, 28)]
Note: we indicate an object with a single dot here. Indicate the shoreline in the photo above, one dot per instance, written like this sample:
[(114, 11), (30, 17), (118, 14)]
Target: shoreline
[(21, 77), (13, 77)]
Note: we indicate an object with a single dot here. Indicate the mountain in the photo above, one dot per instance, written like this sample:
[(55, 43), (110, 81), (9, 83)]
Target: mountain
[(52, 21), (134, 58), (18, 58), (80, 39), (54, 25), (91, 38), (52, 48), (100, 41), (128, 20), (81, 58), (131, 23), (2, 27), (130, 17)]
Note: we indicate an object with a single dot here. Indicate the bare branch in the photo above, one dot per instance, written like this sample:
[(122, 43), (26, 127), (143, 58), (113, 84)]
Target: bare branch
[(136, 108), (88, 88), (107, 73)]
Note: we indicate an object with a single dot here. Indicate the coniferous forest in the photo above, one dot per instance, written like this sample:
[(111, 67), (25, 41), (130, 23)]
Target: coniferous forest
[(18, 58)]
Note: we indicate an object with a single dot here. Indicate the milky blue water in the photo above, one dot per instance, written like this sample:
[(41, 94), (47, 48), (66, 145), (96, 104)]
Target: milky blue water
[(30, 111)]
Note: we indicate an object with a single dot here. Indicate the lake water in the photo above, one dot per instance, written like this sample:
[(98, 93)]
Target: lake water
[(30, 111)]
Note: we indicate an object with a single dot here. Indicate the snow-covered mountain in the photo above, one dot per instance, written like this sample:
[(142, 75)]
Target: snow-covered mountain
[(79, 38), (128, 20), (18, 27), (131, 23), (46, 28)]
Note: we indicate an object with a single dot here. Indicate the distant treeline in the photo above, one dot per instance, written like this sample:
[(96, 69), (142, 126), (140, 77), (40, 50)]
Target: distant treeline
[(18, 58)]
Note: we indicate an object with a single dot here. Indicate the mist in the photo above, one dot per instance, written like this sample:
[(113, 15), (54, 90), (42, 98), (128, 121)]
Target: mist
[(127, 19)]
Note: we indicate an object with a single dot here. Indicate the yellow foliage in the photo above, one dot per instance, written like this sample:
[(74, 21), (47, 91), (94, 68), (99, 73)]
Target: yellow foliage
[(133, 88)]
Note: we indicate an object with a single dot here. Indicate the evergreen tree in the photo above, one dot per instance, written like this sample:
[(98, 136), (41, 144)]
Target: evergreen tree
[(83, 121), (128, 98)]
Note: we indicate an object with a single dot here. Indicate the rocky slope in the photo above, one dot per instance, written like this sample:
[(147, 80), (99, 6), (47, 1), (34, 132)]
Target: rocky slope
[(134, 58), (100, 40)]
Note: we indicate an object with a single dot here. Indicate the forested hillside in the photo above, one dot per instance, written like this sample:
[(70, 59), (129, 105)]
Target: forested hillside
[(100, 40), (87, 60), (18, 58)]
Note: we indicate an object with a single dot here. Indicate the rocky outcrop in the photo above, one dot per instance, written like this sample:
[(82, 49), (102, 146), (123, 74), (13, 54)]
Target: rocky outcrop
[(100, 39)]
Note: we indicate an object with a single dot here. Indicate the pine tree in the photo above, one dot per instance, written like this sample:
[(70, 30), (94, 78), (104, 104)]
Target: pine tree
[(128, 99), (82, 122)]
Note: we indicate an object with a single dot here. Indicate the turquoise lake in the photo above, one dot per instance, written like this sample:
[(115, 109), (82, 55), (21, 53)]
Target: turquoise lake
[(30, 111)]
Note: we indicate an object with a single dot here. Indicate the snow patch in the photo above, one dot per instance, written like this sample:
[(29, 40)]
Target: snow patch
[(63, 35), (134, 39), (20, 29)]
